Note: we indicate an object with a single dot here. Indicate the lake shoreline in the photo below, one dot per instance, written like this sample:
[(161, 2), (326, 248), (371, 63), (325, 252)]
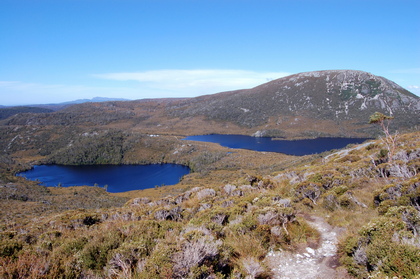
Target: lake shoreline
[(296, 147), (114, 178)]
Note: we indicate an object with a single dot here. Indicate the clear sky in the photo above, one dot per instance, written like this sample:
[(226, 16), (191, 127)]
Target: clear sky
[(61, 50)]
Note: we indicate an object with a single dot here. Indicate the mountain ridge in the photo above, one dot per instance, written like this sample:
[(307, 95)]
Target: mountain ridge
[(337, 95), (304, 105)]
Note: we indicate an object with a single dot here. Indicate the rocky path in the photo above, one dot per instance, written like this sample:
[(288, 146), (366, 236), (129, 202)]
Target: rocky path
[(310, 263)]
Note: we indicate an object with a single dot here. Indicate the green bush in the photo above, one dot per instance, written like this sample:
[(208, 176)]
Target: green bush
[(376, 249), (96, 252), (159, 264), (10, 248)]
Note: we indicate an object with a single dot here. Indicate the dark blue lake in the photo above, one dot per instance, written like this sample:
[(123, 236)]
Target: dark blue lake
[(119, 178), (290, 147)]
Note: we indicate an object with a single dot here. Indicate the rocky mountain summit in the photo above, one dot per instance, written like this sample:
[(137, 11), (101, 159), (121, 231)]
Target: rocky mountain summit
[(347, 93)]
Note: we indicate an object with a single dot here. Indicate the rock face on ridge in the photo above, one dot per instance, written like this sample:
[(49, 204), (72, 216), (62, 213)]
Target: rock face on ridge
[(346, 92), (340, 97)]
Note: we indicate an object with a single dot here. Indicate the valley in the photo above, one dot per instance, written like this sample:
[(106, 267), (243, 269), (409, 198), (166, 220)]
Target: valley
[(238, 208)]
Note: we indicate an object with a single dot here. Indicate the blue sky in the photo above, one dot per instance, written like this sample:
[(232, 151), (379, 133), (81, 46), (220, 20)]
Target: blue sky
[(60, 50)]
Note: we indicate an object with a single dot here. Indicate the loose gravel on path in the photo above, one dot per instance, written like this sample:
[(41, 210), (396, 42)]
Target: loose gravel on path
[(310, 263)]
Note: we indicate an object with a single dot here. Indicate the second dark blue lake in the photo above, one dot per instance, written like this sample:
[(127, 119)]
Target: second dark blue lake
[(117, 178), (291, 147)]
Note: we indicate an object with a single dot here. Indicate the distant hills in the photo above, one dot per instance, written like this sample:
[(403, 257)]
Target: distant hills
[(7, 111), (93, 100), (59, 106), (305, 105)]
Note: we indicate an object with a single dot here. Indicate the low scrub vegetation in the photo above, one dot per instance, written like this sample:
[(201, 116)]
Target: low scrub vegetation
[(219, 222), (221, 232)]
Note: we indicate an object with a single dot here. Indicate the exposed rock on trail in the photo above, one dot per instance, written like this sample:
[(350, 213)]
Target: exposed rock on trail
[(310, 263)]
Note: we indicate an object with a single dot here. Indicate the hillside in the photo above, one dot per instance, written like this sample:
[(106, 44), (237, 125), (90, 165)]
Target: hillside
[(9, 111), (306, 105), (313, 102)]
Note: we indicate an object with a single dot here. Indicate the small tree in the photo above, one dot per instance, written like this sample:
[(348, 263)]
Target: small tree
[(390, 140)]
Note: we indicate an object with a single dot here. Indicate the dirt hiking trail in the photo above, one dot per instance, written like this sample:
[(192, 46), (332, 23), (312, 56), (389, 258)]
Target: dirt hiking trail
[(310, 263)]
